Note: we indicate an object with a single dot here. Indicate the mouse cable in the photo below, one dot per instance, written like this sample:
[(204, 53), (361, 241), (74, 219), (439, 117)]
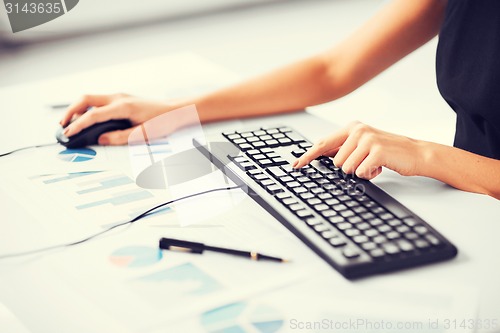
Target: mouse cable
[(100, 233), (29, 147)]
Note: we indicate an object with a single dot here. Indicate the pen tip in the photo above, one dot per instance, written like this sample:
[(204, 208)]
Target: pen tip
[(285, 260)]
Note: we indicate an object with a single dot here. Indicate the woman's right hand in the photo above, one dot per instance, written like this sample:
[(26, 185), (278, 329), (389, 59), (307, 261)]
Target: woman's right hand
[(91, 109)]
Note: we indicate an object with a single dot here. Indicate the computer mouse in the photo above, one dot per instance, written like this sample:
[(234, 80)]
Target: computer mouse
[(90, 135)]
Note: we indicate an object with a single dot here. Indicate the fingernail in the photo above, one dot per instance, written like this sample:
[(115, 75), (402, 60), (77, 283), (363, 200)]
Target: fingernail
[(66, 130), (295, 163)]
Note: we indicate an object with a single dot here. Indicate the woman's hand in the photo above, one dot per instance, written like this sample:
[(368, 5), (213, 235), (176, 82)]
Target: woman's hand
[(107, 107), (364, 150)]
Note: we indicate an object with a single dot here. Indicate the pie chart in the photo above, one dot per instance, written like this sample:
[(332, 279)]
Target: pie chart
[(242, 318), (77, 155), (136, 256)]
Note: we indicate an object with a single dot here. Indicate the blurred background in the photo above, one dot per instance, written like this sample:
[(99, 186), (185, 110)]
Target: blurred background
[(239, 33)]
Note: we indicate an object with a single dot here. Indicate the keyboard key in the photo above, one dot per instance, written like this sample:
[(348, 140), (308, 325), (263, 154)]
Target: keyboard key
[(422, 244), (405, 245), (286, 179), (368, 246), (313, 221), (344, 226), (274, 189), (377, 253), (260, 177), (360, 239), (394, 222), (299, 190), (276, 172), (285, 129), (386, 216), (375, 222), (410, 221), (245, 146), (239, 141), (393, 235), (314, 201), (351, 252), (272, 143), (292, 184), (380, 239), (289, 201), (245, 166), (384, 228), (347, 213), (433, 240), (258, 144), (352, 232), (298, 152), (411, 235), (421, 230), (253, 152), (371, 232), (403, 229), (336, 219), (233, 137), (321, 227), (259, 157), (285, 141), (328, 213), (324, 196), (310, 185), (267, 182), (332, 202), (265, 137), (362, 226), (306, 195), (295, 137), (277, 135), (339, 207), (329, 233), (295, 207), (317, 190), (368, 216), (265, 163), (337, 241), (279, 161), (259, 133), (355, 219), (303, 213), (390, 248), (321, 207), (282, 195)]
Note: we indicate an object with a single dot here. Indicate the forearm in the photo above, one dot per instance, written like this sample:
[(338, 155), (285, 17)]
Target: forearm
[(399, 28), (291, 88), (461, 169)]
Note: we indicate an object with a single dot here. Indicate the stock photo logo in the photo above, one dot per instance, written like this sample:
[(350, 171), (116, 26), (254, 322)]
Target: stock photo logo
[(27, 14)]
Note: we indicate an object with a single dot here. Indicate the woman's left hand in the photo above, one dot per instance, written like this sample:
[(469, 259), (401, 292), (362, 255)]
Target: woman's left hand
[(363, 150)]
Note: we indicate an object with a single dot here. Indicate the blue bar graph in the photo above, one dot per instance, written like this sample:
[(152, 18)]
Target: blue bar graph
[(70, 176), (119, 199), (107, 183)]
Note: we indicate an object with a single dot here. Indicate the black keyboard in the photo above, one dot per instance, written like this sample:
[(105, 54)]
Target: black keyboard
[(351, 223)]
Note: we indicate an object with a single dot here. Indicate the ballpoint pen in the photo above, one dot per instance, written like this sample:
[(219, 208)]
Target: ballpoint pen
[(193, 247)]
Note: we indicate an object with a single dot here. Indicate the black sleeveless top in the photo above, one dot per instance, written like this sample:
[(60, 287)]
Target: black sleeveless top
[(468, 72)]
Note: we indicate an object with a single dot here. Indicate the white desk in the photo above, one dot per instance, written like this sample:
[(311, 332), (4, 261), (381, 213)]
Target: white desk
[(260, 39)]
